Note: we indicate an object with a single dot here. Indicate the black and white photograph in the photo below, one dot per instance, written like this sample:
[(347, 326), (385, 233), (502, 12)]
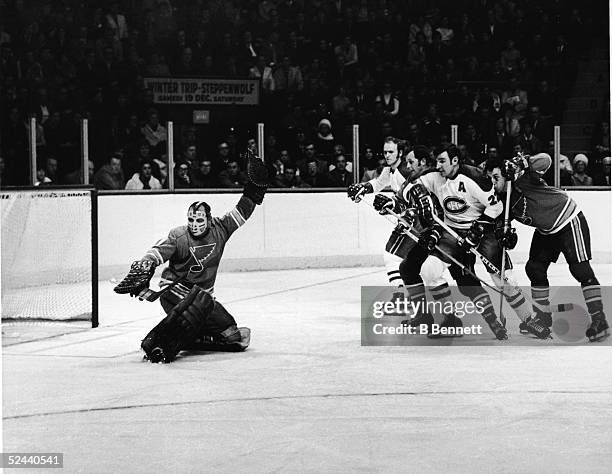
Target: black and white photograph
[(305, 236)]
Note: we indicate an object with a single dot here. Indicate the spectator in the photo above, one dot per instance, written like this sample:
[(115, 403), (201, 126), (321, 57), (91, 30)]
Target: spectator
[(41, 178), (565, 166), (516, 97), (339, 177), (144, 179), (182, 176), (2, 168), (223, 155), (75, 176), (510, 57), (375, 173), (542, 128), (325, 139), (116, 22), (155, 133), (312, 176), (528, 141), (500, 139), (603, 178), (51, 169), (580, 178), (389, 100), (110, 176), (232, 176), (348, 51), (287, 179), (203, 177), (600, 142), (160, 171)]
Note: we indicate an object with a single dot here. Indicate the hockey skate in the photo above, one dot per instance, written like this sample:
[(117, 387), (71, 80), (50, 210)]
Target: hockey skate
[(156, 352), (497, 328), (401, 303), (540, 318), (533, 326), (599, 328), (423, 318), (238, 343), (450, 321)]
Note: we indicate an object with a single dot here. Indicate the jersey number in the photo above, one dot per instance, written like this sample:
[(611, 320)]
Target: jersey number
[(492, 200)]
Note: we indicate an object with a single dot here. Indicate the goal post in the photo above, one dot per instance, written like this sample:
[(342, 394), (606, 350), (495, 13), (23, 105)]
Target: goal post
[(49, 254)]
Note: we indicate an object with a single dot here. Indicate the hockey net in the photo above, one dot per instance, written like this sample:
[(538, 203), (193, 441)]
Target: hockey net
[(48, 255)]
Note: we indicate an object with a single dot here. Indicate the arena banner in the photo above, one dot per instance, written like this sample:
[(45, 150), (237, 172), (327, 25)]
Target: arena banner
[(194, 91)]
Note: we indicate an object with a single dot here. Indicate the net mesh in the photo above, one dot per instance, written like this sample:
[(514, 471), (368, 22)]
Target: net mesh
[(46, 255)]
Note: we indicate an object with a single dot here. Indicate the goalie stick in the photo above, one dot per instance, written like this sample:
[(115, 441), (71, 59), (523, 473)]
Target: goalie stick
[(151, 295)]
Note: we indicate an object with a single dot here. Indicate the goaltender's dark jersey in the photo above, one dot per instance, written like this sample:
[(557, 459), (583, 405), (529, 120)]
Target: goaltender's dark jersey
[(538, 205), (196, 259)]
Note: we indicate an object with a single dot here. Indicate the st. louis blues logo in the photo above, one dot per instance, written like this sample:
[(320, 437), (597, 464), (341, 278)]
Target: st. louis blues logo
[(201, 253)]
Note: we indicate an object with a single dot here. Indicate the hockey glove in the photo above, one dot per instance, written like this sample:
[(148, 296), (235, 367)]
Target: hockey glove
[(137, 279), (430, 238), (507, 239), (355, 191), (258, 179), (383, 204), (472, 238)]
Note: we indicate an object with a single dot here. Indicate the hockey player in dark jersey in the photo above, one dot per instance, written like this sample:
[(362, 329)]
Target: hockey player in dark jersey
[(560, 228), (195, 319)]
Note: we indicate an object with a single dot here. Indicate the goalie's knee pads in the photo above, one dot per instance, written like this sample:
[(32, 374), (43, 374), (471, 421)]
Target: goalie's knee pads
[(432, 271), (190, 314)]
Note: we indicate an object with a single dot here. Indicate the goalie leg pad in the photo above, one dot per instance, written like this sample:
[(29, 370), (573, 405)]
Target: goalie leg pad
[(233, 339)]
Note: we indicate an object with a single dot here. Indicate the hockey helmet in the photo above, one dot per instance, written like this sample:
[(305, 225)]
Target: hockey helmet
[(198, 218)]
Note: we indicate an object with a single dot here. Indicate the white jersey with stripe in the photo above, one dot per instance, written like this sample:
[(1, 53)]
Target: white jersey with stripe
[(390, 178), (464, 198), (196, 259)]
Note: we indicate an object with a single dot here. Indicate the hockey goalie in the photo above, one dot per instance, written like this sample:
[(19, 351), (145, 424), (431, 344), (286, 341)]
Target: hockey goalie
[(194, 320)]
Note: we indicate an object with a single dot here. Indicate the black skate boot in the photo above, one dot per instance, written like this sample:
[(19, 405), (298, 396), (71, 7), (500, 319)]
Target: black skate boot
[(423, 318), (450, 321), (497, 328), (533, 326), (598, 329), (542, 318)]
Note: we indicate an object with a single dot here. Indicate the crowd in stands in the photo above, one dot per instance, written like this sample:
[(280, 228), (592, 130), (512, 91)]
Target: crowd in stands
[(500, 69)]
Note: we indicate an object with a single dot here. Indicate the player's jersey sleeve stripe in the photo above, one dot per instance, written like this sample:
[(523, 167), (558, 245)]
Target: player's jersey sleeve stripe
[(156, 256)]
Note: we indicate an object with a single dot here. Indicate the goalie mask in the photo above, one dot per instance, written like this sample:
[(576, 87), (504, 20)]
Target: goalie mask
[(198, 218)]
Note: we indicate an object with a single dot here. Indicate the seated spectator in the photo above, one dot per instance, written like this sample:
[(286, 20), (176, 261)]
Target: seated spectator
[(389, 100), (325, 139), (144, 179), (375, 173), (110, 176), (580, 178), (182, 176), (339, 177), (287, 179), (75, 177), (510, 57), (313, 177), (600, 143), (232, 177), (203, 177), (603, 178), (500, 139), (530, 144), (160, 171), (516, 97), (51, 169), (41, 178), (155, 133), (565, 166)]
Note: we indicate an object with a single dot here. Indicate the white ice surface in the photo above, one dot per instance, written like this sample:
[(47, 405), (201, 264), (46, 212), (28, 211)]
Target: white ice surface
[(306, 396)]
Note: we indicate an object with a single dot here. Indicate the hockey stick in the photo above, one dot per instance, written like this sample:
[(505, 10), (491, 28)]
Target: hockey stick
[(406, 230), (151, 295), (502, 318)]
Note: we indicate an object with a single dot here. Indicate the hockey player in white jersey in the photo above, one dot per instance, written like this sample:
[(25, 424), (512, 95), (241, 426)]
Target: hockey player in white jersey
[(392, 176), (470, 208)]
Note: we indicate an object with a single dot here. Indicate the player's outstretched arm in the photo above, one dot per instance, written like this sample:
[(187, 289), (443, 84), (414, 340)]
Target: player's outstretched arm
[(258, 179), (137, 279)]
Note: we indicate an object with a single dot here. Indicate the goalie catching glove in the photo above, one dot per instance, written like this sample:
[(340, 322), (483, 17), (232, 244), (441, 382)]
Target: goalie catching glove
[(355, 191), (258, 179), (137, 279)]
